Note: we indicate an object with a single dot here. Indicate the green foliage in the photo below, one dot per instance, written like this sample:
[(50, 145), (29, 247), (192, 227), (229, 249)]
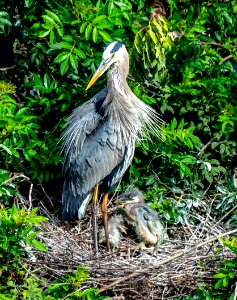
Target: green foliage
[(195, 90), (67, 287), (227, 274), (20, 140), (4, 21), (17, 230)]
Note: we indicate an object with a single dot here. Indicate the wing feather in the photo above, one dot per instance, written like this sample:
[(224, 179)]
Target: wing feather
[(94, 149)]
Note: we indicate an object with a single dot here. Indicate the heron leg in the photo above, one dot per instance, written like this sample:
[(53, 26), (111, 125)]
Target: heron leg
[(105, 219), (94, 217), (68, 226)]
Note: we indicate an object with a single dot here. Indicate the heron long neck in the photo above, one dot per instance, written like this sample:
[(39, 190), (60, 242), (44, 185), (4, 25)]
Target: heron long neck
[(131, 113), (117, 82), (123, 103)]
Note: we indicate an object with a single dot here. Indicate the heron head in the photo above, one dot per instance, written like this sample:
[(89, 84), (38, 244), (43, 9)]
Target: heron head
[(114, 52), (132, 196)]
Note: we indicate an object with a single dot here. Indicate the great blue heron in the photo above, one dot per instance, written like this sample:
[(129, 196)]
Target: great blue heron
[(100, 136), (145, 221)]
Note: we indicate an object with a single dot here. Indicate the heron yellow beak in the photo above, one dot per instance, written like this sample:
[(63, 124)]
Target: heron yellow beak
[(102, 68)]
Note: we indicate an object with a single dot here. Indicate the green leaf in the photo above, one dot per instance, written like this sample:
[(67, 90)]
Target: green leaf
[(95, 34), (47, 18), (40, 246), (3, 13), (225, 281), (53, 16), (64, 66), (60, 31), (231, 274), (43, 34), (21, 112), (74, 62), (98, 19), (29, 3), (173, 124), (62, 56), (198, 28), (46, 80), (83, 27), (88, 31), (219, 275), (150, 180), (218, 284), (68, 38), (80, 53), (66, 45), (153, 36), (6, 149), (5, 22), (111, 7), (105, 36)]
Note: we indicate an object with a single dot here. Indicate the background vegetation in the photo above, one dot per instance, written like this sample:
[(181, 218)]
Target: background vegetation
[(182, 62)]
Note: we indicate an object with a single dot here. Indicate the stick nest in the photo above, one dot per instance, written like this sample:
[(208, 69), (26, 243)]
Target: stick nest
[(188, 256)]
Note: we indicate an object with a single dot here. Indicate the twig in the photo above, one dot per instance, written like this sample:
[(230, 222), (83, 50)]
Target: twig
[(212, 43), (165, 261), (225, 59), (45, 193), (15, 175), (230, 211), (205, 146), (116, 298), (235, 296), (30, 198)]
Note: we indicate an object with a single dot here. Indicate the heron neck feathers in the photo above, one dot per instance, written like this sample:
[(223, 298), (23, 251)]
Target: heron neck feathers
[(132, 115)]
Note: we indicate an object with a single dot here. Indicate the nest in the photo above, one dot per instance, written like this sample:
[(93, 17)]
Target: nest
[(187, 257)]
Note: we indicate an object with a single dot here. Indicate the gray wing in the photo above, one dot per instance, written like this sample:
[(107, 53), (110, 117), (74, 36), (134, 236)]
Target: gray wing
[(149, 218), (93, 149)]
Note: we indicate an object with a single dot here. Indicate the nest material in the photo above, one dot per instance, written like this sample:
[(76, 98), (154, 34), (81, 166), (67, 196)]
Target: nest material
[(128, 273)]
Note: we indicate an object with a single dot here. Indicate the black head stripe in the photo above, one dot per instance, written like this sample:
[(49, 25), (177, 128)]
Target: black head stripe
[(116, 47)]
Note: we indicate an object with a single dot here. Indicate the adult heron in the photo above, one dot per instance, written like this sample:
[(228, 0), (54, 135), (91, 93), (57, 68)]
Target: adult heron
[(99, 139)]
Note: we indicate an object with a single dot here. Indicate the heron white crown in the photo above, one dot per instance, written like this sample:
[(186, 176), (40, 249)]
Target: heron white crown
[(114, 50)]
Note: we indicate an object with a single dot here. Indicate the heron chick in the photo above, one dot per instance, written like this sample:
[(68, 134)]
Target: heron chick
[(146, 222), (99, 139), (116, 227)]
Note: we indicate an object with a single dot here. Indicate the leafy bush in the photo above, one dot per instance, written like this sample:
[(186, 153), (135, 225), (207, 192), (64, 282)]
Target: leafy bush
[(68, 287), (227, 273), (17, 231)]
